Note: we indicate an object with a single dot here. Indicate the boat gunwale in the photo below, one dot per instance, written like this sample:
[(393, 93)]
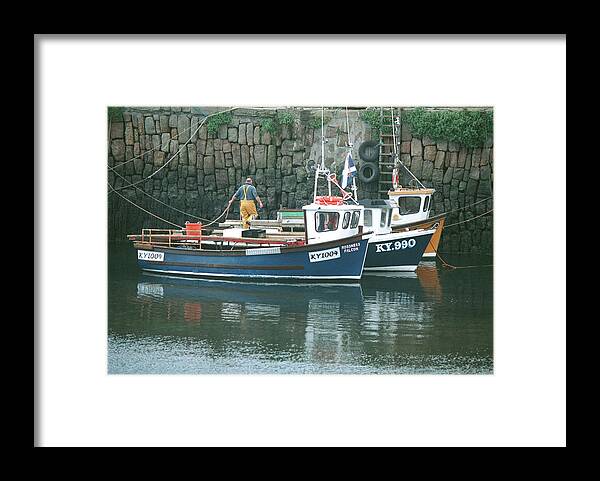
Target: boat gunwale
[(241, 252)]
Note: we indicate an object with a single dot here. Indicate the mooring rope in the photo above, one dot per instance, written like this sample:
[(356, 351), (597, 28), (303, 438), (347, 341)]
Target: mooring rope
[(225, 212), (151, 150), (450, 266), (160, 201), (469, 219), (141, 208), (176, 153), (178, 134)]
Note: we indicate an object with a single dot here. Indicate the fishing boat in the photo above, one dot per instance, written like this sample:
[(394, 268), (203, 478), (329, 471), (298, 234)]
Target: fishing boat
[(188, 252), (391, 250), (333, 248), (412, 209)]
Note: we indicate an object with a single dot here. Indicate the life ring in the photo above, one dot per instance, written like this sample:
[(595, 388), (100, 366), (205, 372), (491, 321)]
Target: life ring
[(369, 151), (329, 200), (368, 172)]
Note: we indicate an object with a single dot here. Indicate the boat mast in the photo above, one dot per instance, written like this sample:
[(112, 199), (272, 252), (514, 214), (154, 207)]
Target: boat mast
[(321, 169), (350, 145)]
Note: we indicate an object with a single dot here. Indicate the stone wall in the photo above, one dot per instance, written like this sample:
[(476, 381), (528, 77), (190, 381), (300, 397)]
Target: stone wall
[(205, 174), (463, 179)]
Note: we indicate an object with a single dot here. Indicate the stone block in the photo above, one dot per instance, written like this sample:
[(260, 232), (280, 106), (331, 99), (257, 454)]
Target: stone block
[(416, 148), (149, 125), (118, 150), (165, 140), (448, 175), (129, 133), (209, 164), (430, 152), (245, 154), (260, 156), (191, 155), (250, 133), (452, 159), (232, 134), (439, 159), (427, 170), (289, 183), (271, 156)]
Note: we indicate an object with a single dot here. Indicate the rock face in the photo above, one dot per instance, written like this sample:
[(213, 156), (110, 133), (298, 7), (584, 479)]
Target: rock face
[(200, 171)]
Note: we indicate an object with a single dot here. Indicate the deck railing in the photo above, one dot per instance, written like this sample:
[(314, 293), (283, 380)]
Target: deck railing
[(183, 238)]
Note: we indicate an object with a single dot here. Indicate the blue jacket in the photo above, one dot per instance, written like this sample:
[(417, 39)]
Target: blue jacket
[(246, 192)]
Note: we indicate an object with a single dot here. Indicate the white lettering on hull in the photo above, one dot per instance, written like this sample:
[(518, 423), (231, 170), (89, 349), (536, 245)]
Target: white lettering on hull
[(151, 256), (327, 255), (395, 246)]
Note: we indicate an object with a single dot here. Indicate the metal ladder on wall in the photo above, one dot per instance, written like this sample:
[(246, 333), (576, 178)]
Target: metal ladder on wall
[(389, 148)]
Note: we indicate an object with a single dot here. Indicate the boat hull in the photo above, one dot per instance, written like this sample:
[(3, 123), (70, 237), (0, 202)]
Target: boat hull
[(332, 261), (400, 251), (437, 223)]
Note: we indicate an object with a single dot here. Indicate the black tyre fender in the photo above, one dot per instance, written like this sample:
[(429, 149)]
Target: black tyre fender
[(368, 172), (369, 151)]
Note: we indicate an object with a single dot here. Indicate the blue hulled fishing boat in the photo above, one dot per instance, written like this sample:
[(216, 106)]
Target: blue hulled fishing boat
[(269, 259)]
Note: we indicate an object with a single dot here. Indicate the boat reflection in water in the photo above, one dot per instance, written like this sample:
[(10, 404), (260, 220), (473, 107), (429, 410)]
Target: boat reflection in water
[(388, 314)]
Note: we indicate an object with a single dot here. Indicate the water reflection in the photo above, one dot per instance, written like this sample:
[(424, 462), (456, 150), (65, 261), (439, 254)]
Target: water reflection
[(424, 321)]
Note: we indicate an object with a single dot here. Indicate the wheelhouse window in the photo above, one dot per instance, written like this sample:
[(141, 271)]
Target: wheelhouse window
[(368, 217), (383, 219), (326, 221), (409, 205), (425, 207), (346, 220), (355, 219)]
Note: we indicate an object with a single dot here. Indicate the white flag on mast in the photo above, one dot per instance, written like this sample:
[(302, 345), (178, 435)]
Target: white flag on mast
[(349, 170)]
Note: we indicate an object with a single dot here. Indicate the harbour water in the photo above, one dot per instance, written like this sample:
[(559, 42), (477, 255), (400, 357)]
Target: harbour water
[(434, 321)]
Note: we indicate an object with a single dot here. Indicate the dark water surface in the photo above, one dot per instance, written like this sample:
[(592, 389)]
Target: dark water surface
[(434, 321)]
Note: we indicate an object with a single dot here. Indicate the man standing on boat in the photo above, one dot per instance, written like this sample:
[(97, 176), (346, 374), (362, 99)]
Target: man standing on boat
[(247, 194)]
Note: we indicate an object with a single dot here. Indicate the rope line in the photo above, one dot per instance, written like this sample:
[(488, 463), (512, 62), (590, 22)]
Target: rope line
[(176, 153), (446, 214), (450, 266), (225, 212), (177, 134), (470, 219), (141, 208), (158, 200), (152, 149)]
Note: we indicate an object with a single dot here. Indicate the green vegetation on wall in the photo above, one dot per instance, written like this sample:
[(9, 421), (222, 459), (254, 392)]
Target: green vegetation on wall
[(115, 113), (274, 124), (269, 125), (470, 128), (315, 122), (373, 118), (216, 121)]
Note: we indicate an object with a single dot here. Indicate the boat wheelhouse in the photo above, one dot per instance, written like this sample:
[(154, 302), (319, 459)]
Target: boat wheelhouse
[(412, 208), (390, 250), (410, 205)]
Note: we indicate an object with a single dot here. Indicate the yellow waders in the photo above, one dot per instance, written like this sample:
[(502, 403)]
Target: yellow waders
[(247, 210)]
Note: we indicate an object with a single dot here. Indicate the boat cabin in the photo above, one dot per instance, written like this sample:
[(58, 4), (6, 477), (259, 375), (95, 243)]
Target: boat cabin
[(377, 216), (331, 219), (410, 205)]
